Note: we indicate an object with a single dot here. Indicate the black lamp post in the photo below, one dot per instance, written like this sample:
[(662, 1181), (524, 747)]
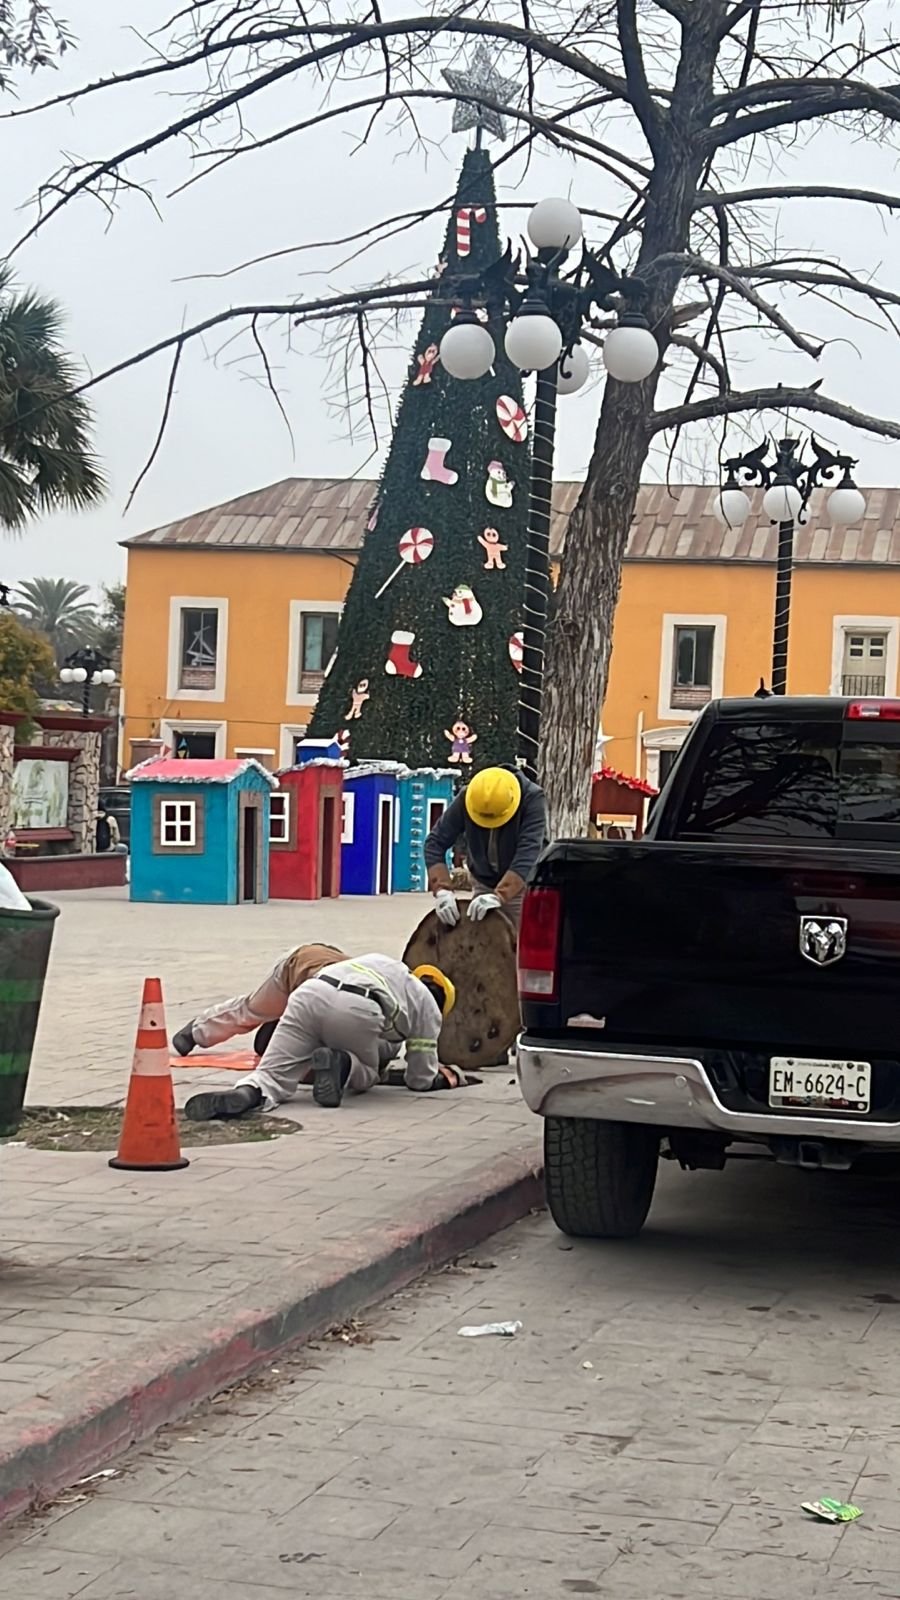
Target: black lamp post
[(788, 481), (88, 667), (545, 312)]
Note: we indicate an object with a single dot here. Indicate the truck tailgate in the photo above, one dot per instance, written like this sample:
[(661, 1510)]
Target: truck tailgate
[(701, 943)]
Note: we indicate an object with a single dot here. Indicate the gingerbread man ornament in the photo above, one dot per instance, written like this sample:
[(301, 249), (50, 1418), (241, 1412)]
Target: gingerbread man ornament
[(494, 551), (358, 698)]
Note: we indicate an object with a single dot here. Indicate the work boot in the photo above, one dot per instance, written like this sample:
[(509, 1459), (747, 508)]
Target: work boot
[(183, 1042), (225, 1103), (331, 1069)]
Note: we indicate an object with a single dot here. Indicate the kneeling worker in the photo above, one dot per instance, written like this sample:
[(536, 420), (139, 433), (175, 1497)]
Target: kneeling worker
[(259, 1009), (503, 818), (339, 1029)]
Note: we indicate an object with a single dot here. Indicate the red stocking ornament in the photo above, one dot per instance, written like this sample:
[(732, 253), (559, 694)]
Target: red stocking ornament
[(399, 663)]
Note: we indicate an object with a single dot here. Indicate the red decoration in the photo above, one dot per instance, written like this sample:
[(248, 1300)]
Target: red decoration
[(636, 785)]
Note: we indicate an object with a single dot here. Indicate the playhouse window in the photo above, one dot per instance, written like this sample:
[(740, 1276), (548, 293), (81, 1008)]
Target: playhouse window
[(178, 823), (318, 641), (280, 819), (199, 645)]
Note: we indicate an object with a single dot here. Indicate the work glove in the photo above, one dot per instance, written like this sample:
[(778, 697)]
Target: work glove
[(481, 904), (452, 1078), (446, 907)]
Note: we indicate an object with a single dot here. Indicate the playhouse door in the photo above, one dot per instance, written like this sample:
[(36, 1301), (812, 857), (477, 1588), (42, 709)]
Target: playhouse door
[(326, 847), (249, 846), (384, 862)]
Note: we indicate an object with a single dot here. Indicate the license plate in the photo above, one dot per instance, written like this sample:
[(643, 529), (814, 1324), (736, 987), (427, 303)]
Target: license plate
[(795, 1081)]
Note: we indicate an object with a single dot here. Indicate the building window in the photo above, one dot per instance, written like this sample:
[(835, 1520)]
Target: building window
[(692, 667), (667, 759), (280, 819), (348, 807), (318, 641), (199, 648), (178, 824), (863, 670)]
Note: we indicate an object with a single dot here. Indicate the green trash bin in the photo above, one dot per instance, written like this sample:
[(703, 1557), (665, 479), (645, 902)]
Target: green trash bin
[(25, 940)]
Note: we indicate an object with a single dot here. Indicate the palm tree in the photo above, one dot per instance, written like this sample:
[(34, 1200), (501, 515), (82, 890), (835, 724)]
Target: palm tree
[(57, 608), (46, 459)]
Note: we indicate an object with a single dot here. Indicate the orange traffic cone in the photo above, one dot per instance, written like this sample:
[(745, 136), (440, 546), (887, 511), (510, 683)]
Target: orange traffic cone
[(149, 1139)]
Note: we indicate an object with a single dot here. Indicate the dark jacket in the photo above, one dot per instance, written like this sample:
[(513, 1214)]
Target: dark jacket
[(517, 844)]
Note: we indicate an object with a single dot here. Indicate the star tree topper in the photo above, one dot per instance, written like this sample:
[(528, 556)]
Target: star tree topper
[(480, 77)]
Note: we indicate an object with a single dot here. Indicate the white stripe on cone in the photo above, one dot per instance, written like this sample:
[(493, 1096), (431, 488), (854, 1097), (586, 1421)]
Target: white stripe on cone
[(150, 1063), (153, 1015)]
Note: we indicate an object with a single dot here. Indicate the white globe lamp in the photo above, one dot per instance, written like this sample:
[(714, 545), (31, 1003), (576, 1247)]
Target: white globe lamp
[(107, 675), (533, 341), (845, 505), (467, 349), (554, 225), (630, 352), (66, 675), (574, 370), (732, 506), (782, 502), (78, 675)]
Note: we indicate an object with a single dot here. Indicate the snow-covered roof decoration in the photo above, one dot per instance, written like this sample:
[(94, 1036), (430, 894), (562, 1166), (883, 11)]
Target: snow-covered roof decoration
[(369, 769), (172, 769), (318, 761)]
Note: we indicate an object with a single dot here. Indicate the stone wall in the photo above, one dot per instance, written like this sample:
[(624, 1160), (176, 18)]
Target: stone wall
[(84, 782), (7, 744)]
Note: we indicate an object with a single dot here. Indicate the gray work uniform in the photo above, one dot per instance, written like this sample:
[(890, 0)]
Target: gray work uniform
[(368, 1006)]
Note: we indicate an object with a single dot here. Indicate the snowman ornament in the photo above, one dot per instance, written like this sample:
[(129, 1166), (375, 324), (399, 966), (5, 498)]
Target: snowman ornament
[(499, 489), (463, 609)]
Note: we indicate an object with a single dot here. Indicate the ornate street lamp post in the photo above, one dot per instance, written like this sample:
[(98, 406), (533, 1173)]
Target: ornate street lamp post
[(88, 667), (788, 481), (545, 312)]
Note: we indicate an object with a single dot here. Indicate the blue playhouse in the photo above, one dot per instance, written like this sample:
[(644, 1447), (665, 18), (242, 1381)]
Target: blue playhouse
[(423, 796), (200, 831), (370, 822)]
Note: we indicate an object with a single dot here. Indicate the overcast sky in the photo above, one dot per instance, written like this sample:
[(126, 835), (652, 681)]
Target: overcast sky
[(123, 286)]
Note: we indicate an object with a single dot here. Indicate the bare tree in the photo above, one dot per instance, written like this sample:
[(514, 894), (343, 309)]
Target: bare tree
[(673, 100)]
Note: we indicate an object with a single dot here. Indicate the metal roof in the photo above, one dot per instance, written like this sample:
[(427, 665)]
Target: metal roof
[(671, 524), (169, 769)]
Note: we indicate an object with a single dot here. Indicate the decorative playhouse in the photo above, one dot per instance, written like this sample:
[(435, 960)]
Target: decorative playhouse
[(618, 804), (369, 832), (423, 795), (305, 827), (200, 831), (49, 788)]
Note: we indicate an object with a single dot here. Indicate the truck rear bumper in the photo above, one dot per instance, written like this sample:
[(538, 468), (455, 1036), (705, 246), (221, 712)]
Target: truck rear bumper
[(666, 1092)]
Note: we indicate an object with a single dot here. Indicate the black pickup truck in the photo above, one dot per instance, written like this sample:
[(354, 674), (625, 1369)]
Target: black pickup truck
[(733, 976)]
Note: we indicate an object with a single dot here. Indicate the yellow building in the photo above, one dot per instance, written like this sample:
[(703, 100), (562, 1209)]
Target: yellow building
[(231, 616)]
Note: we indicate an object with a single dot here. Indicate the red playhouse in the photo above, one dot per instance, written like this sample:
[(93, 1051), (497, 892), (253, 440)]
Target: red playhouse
[(618, 804), (305, 832)]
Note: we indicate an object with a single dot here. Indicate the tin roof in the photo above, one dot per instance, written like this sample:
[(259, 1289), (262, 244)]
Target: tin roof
[(169, 769), (671, 523)]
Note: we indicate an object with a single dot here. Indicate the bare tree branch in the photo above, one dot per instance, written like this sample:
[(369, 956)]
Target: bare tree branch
[(695, 266), (710, 199), (777, 399)]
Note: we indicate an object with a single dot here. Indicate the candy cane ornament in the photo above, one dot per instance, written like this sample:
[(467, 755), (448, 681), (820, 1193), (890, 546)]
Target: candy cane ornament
[(465, 216), (413, 547)]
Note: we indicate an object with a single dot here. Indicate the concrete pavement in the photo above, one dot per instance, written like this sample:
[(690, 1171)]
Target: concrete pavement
[(649, 1435), (126, 1296)]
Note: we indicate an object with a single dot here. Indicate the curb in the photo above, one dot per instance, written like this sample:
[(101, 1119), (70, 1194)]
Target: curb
[(44, 1449)]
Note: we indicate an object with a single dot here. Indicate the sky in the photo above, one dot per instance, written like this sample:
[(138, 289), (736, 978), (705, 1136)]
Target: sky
[(141, 275)]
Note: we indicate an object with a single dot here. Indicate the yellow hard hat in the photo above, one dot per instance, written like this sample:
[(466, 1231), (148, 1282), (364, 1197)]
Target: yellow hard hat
[(493, 797), (443, 982)]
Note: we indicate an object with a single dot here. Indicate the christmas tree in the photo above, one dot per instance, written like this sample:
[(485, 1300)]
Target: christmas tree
[(428, 654)]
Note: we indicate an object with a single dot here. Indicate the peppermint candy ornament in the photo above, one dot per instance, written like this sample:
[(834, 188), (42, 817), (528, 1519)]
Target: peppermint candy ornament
[(416, 545), (517, 649), (512, 418)]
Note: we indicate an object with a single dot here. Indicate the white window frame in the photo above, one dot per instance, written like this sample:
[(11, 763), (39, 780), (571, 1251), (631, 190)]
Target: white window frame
[(172, 814), (655, 740), (170, 729), (842, 625), (671, 621), (289, 732), (294, 695), (194, 602), (280, 812), (348, 816)]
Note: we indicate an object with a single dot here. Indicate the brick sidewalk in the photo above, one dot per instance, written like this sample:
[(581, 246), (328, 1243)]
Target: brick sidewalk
[(108, 1276)]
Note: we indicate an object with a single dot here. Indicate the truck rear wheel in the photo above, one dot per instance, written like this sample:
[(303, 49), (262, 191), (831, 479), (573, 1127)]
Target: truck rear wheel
[(599, 1176)]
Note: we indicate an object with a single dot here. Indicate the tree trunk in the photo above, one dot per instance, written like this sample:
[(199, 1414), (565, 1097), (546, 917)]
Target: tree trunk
[(586, 599), (581, 636)]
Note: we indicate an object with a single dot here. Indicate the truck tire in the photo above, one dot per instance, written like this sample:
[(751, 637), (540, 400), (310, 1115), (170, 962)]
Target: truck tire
[(599, 1176)]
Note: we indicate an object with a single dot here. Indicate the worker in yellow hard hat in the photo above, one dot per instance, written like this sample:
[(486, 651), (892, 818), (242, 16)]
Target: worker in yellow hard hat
[(502, 817)]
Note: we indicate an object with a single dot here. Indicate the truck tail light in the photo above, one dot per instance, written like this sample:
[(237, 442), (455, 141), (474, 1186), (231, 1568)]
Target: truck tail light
[(539, 944), (874, 711)]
